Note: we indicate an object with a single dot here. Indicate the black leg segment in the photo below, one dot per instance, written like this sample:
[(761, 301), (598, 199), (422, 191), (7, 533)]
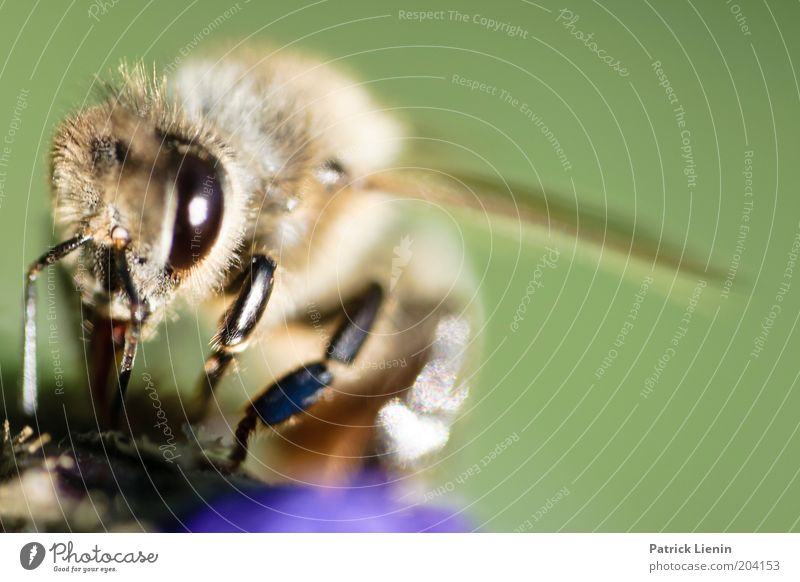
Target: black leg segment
[(353, 331), (289, 396), (298, 390), (238, 322), (293, 394)]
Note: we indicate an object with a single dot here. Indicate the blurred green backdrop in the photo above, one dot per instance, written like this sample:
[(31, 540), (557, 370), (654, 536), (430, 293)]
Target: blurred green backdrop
[(705, 440)]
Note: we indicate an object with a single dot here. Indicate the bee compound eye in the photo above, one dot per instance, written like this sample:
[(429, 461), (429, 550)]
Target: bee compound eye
[(199, 208)]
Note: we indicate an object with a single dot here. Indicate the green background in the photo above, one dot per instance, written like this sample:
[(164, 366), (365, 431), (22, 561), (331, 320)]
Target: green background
[(715, 446)]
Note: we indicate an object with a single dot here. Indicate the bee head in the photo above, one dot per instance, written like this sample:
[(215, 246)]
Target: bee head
[(154, 197)]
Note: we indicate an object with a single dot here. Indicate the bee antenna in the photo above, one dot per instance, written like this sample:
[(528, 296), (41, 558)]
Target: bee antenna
[(58, 252)]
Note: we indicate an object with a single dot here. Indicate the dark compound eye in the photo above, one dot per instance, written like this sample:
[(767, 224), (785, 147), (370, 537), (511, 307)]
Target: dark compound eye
[(199, 211)]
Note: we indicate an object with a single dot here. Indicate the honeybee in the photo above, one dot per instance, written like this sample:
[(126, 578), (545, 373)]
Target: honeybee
[(260, 184)]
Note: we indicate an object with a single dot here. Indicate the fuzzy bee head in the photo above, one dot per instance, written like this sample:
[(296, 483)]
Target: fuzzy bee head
[(149, 189)]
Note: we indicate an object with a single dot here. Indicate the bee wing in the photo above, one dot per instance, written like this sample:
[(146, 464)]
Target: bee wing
[(538, 216)]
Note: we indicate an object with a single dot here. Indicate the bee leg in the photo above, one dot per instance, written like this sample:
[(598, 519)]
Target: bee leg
[(238, 323), (298, 390), (138, 316), (290, 395), (353, 331), (397, 405), (29, 383)]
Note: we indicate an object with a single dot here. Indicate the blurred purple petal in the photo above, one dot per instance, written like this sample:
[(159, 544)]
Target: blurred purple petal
[(365, 506)]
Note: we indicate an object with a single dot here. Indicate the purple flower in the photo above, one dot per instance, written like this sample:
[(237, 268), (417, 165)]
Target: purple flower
[(368, 505)]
